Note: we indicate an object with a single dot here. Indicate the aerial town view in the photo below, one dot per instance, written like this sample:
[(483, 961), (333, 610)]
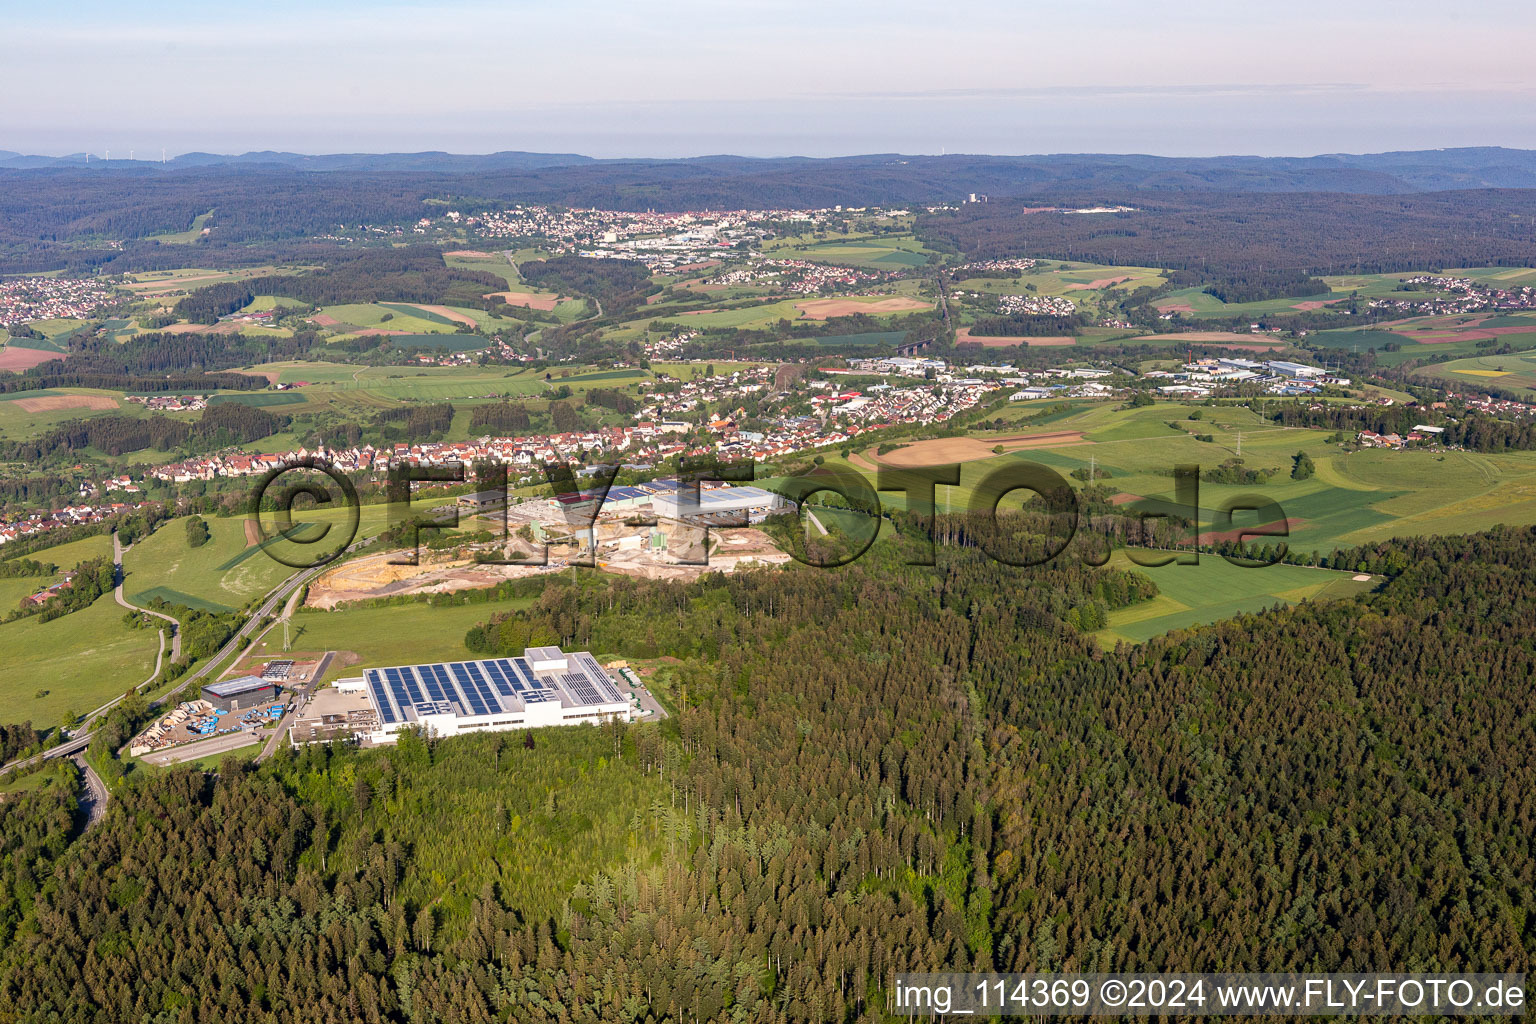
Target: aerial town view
[(804, 518)]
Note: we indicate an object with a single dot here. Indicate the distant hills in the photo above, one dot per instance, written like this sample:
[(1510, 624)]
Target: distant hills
[(879, 178), (432, 161)]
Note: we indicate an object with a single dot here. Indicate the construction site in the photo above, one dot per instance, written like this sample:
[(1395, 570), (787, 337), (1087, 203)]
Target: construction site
[(534, 537)]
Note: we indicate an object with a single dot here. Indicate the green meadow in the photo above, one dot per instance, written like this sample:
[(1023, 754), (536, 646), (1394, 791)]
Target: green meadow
[(1515, 372), (1213, 589), (388, 316), (76, 662), (401, 634), (1353, 498), (221, 575), (188, 236), (871, 252)]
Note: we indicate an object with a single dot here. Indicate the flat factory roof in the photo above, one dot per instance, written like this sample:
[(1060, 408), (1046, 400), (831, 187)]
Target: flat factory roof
[(494, 686), (236, 686)]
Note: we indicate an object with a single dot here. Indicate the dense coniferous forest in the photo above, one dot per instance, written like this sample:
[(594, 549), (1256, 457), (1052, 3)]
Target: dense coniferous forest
[(1226, 236), (499, 418), (1253, 285), (618, 285), (1039, 325), (943, 773), (219, 426), (157, 354)]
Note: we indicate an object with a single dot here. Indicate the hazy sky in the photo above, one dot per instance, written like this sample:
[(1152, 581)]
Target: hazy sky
[(767, 77)]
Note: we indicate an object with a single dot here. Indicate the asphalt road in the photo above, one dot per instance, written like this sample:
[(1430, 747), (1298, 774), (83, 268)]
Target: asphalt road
[(94, 800), (117, 557), (204, 748), (299, 700)]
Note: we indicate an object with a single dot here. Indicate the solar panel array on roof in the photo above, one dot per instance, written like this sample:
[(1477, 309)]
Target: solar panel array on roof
[(477, 689), (598, 675), (580, 687)]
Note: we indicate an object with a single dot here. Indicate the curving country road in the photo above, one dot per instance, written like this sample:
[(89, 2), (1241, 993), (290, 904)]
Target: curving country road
[(117, 557), (275, 597)]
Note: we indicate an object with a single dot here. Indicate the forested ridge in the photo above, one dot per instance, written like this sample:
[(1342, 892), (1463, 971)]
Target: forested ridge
[(1256, 244), (877, 768), (219, 426), (414, 273)]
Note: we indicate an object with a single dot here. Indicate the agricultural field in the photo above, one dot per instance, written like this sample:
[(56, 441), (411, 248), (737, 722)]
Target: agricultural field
[(263, 303), (1070, 279), (363, 390), (1199, 304), (1353, 498), (1515, 372), (394, 317), (1415, 338), (402, 634), (870, 252), (157, 283), (1213, 589), (222, 575), (45, 662), (807, 309), (55, 334), (26, 414), (1497, 277)]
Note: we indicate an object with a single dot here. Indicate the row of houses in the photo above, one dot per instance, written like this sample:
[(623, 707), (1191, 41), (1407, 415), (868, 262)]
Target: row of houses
[(31, 524)]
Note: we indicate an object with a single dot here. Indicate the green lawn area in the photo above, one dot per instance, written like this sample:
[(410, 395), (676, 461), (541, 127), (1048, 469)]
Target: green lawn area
[(67, 556), (77, 662), (188, 236), (386, 316), (874, 252), (1191, 595), (401, 635), (221, 575)]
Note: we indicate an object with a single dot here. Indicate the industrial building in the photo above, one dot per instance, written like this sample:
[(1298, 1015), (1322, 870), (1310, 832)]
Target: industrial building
[(755, 502), (544, 687), (1287, 369), (240, 692), (480, 501)]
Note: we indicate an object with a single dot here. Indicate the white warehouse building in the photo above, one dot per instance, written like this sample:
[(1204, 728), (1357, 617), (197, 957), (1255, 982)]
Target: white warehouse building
[(754, 501), (544, 687)]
